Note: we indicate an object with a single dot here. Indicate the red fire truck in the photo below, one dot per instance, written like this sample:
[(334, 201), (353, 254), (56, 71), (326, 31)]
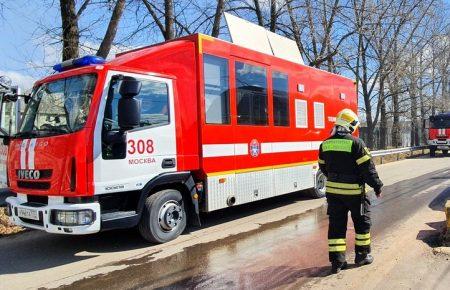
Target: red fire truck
[(439, 133), (159, 134)]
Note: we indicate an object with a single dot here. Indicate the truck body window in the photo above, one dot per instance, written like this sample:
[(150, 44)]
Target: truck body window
[(319, 115), (280, 99), (217, 97), (251, 87)]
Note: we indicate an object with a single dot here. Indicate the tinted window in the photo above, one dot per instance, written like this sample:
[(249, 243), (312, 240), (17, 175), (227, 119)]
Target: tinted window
[(154, 107), (217, 103), (251, 86), (440, 122), (280, 99), (154, 99)]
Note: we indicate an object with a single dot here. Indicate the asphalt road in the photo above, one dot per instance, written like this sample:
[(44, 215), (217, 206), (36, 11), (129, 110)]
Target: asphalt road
[(275, 243)]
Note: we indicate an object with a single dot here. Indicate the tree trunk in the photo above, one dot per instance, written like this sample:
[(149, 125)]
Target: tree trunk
[(169, 19), (383, 117), (273, 15), (396, 138), (217, 17), (258, 12), (111, 31), (70, 31)]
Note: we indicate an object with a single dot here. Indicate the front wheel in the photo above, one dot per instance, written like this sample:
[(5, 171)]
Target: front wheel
[(320, 186), (432, 152), (445, 152), (164, 216)]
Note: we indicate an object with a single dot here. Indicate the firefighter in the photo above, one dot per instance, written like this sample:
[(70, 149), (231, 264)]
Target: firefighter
[(347, 164)]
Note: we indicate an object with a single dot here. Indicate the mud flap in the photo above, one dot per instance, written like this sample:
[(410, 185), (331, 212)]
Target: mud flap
[(190, 184)]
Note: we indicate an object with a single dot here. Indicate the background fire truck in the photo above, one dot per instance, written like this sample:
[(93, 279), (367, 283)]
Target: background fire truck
[(11, 107), (439, 133), (158, 134)]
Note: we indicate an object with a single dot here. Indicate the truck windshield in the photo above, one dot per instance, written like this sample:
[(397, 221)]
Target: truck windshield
[(438, 122), (58, 107)]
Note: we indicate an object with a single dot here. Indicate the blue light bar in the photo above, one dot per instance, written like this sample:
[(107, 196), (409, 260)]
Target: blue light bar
[(78, 62)]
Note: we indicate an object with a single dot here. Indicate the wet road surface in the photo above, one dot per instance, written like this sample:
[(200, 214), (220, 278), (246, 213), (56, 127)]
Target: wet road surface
[(289, 252)]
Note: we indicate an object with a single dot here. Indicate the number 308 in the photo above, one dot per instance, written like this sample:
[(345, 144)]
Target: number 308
[(140, 146)]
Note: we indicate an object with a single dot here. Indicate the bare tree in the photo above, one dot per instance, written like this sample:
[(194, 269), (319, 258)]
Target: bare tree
[(70, 17), (111, 31), (315, 36), (217, 18)]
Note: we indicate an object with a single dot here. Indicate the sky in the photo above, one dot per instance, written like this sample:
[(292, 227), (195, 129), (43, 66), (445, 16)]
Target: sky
[(23, 31), (18, 52)]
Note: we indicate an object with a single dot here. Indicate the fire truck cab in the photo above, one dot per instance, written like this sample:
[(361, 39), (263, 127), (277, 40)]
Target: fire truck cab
[(439, 133), (158, 134)]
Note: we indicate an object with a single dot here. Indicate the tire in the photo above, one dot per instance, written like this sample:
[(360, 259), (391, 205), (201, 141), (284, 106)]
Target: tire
[(164, 217), (432, 152), (445, 152), (318, 191)]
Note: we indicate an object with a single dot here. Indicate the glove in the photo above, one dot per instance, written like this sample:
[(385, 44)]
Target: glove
[(378, 193)]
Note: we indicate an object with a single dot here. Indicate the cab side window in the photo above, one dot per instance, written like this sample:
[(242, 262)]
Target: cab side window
[(154, 98)]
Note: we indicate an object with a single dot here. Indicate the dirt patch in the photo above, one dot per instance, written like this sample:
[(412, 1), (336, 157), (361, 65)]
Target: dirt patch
[(6, 228)]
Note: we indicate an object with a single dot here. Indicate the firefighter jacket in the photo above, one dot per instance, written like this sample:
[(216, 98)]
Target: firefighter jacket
[(347, 164)]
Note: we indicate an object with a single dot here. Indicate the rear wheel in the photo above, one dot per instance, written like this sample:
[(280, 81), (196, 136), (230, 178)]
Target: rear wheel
[(319, 188), (164, 216)]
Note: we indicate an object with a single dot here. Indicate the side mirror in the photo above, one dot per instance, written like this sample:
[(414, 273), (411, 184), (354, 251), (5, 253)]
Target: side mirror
[(130, 88), (6, 140), (11, 97), (129, 109)]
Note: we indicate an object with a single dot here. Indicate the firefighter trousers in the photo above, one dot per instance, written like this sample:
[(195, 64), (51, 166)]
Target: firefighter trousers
[(338, 207)]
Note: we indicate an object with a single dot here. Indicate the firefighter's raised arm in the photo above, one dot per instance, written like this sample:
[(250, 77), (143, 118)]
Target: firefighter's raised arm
[(321, 161), (367, 168)]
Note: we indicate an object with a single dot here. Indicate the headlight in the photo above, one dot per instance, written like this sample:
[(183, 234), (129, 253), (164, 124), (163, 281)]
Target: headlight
[(72, 217)]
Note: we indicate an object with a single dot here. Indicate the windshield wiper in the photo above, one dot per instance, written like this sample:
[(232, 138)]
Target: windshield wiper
[(27, 134)]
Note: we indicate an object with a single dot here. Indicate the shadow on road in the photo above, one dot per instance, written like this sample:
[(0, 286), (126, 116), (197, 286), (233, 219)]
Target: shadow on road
[(36, 250), (439, 201), (432, 237)]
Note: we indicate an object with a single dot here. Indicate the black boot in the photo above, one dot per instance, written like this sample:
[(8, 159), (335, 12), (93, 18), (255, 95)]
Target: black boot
[(336, 267), (363, 259)]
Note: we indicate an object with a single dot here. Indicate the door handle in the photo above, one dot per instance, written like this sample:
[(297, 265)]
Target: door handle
[(168, 163)]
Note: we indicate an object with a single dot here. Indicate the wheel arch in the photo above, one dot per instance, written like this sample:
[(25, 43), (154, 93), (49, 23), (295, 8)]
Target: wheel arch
[(181, 181)]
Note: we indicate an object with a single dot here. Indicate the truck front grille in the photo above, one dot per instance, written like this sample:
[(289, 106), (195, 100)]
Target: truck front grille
[(33, 185), (37, 199)]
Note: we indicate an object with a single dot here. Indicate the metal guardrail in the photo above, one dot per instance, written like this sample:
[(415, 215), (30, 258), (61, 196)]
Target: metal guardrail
[(382, 153), (397, 150)]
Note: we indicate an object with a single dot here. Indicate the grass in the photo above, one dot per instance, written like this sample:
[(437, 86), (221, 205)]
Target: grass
[(6, 228)]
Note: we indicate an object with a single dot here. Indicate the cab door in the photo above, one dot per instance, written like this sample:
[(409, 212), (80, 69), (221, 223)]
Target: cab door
[(147, 151), (9, 121)]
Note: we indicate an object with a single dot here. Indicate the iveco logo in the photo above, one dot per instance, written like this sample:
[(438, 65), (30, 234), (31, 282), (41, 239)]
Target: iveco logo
[(28, 174)]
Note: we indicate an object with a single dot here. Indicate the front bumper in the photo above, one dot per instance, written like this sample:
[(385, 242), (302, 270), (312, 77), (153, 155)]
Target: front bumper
[(44, 213), (440, 144)]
